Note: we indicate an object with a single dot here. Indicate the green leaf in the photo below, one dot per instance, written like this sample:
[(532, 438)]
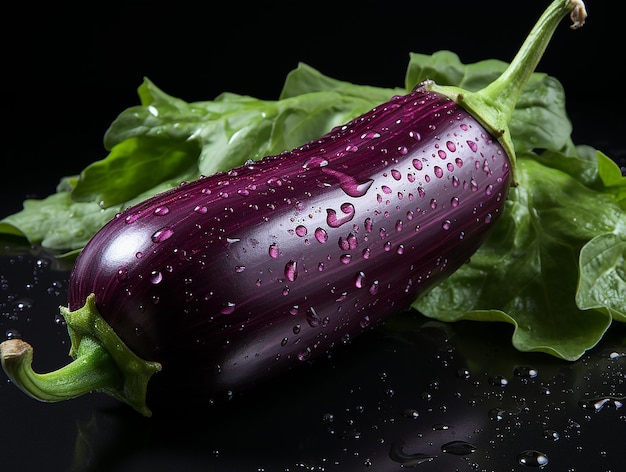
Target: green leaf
[(57, 222), (305, 79), (134, 166), (167, 139), (527, 273), (445, 68), (603, 276), (613, 180), (540, 120)]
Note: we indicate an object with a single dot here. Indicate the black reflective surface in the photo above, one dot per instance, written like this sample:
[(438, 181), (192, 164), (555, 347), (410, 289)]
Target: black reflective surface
[(414, 394)]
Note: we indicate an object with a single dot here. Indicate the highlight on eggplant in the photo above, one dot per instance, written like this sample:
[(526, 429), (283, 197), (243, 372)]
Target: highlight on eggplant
[(221, 282)]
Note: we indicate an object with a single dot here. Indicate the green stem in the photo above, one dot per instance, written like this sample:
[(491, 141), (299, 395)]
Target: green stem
[(65, 383), (493, 105), (102, 363)]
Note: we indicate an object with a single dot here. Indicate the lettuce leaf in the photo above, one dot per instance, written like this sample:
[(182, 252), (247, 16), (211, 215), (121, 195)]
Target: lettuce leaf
[(554, 267), (202, 138), (540, 119), (57, 222)]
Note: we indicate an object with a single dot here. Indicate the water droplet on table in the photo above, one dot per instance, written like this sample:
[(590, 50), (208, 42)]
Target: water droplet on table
[(532, 458), (458, 448)]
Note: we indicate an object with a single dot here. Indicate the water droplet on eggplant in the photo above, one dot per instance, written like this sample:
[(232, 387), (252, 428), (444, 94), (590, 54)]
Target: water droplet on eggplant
[(132, 217), (304, 354), (312, 318), (335, 221), (349, 184), (291, 270), (321, 235), (156, 277), (315, 161), (228, 308), (162, 235), (273, 250), (161, 210)]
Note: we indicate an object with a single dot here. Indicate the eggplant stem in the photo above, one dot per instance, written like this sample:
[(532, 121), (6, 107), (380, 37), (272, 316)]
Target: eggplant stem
[(493, 105), (102, 363), (68, 382), (506, 89)]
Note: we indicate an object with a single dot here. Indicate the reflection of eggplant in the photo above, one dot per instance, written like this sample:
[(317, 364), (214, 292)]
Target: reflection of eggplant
[(405, 459), (226, 280), (84, 447), (298, 406)]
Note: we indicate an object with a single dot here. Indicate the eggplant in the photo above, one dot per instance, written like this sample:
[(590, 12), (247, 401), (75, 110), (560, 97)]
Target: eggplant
[(224, 281)]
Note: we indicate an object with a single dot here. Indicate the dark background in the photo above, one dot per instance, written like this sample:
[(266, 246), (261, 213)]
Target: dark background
[(70, 68)]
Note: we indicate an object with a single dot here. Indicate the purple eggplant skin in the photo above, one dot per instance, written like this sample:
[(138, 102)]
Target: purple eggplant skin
[(240, 275)]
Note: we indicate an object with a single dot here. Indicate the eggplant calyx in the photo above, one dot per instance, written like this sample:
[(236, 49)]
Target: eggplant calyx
[(493, 105), (86, 322), (101, 363)]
